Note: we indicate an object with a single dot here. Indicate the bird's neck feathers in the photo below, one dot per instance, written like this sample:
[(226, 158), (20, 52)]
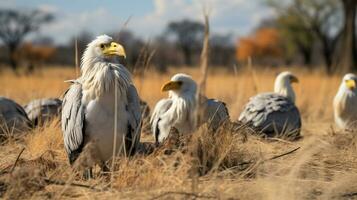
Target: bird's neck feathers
[(99, 77), (342, 98), (284, 88), (184, 106), (344, 92)]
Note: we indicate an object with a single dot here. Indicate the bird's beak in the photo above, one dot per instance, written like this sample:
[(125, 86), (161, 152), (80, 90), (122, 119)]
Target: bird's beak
[(114, 49), (294, 79), (171, 85), (351, 84)]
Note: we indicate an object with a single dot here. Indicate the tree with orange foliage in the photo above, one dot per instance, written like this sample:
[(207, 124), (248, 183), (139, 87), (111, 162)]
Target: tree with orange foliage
[(265, 43), (35, 54)]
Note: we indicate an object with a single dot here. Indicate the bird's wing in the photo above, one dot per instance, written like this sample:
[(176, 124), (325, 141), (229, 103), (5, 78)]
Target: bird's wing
[(271, 112), (160, 109), (13, 111), (20, 109), (215, 113), (33, 109), (134, 127), (73, 121), (36, 108), (22, 112)]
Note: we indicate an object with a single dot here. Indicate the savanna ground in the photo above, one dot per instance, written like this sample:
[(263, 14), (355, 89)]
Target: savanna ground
[(224, 165)]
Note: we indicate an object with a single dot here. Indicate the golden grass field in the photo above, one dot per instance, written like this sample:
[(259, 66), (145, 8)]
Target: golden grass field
[(221, 166)]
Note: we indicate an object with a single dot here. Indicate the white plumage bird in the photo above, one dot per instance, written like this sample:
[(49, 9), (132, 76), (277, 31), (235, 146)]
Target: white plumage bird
[(274, 114), (178, 111), (103, 100), (345, 103)]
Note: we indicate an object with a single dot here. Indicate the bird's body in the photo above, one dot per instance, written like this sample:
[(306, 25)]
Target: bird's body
[(215, 112), (101, 105), (345, 103), (43, 110), (101, 129), (173, 112), (274, 114), (179, 110), (13, 118)]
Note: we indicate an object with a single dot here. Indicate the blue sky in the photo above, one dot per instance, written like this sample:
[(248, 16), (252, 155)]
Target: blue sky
[(148, 17)]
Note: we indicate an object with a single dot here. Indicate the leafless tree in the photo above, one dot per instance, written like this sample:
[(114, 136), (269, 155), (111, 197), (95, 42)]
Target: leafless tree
[(15, 25)]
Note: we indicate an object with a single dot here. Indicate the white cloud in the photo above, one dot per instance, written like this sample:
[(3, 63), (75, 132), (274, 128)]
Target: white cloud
[(67, 25), (48, 8), (226, 16), (165, 11)]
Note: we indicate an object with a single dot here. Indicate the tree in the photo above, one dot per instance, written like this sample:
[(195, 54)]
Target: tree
[(133, 46), (348, 54), (189, 36), (264, 44), (320, 17), (166, 53), (35, 54), (83, 39), (222, 50), (16, 25), (296, 38)]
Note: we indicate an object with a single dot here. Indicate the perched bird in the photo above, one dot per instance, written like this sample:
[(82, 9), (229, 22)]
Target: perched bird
[(345, 103), (13, 118), (274, 114), (178, 111), (40, 111), (102, 105)]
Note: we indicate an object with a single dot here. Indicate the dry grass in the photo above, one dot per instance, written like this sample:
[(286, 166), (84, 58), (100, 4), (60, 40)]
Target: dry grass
[(224, 165)]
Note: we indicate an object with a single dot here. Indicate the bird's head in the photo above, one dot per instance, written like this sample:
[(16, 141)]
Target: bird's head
[(349, 81), (103, 48), (283, 84), (286, 78), (180, 84)]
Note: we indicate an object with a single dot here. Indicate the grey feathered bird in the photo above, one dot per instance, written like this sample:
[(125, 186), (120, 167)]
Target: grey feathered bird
[(178, 111), (274, 114), (101, 105), (40, 111), (13, 118)]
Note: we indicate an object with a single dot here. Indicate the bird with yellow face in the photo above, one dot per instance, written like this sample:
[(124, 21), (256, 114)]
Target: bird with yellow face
[(178, 110), (345, 103), (102, 106)]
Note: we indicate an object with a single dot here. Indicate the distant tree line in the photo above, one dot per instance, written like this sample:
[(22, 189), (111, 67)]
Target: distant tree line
[(303, 32), (15, 26), (308, 32), (179, 44)]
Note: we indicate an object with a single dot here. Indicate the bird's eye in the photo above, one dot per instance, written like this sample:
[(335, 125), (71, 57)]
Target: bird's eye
[(180, 82), (102, 46)]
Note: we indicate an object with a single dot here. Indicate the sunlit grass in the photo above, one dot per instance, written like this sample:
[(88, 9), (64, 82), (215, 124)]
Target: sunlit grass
[(324, 167)]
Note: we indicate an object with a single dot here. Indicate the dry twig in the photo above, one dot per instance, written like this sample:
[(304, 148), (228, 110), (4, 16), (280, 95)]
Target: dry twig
[(17, 159), (63, 183)]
